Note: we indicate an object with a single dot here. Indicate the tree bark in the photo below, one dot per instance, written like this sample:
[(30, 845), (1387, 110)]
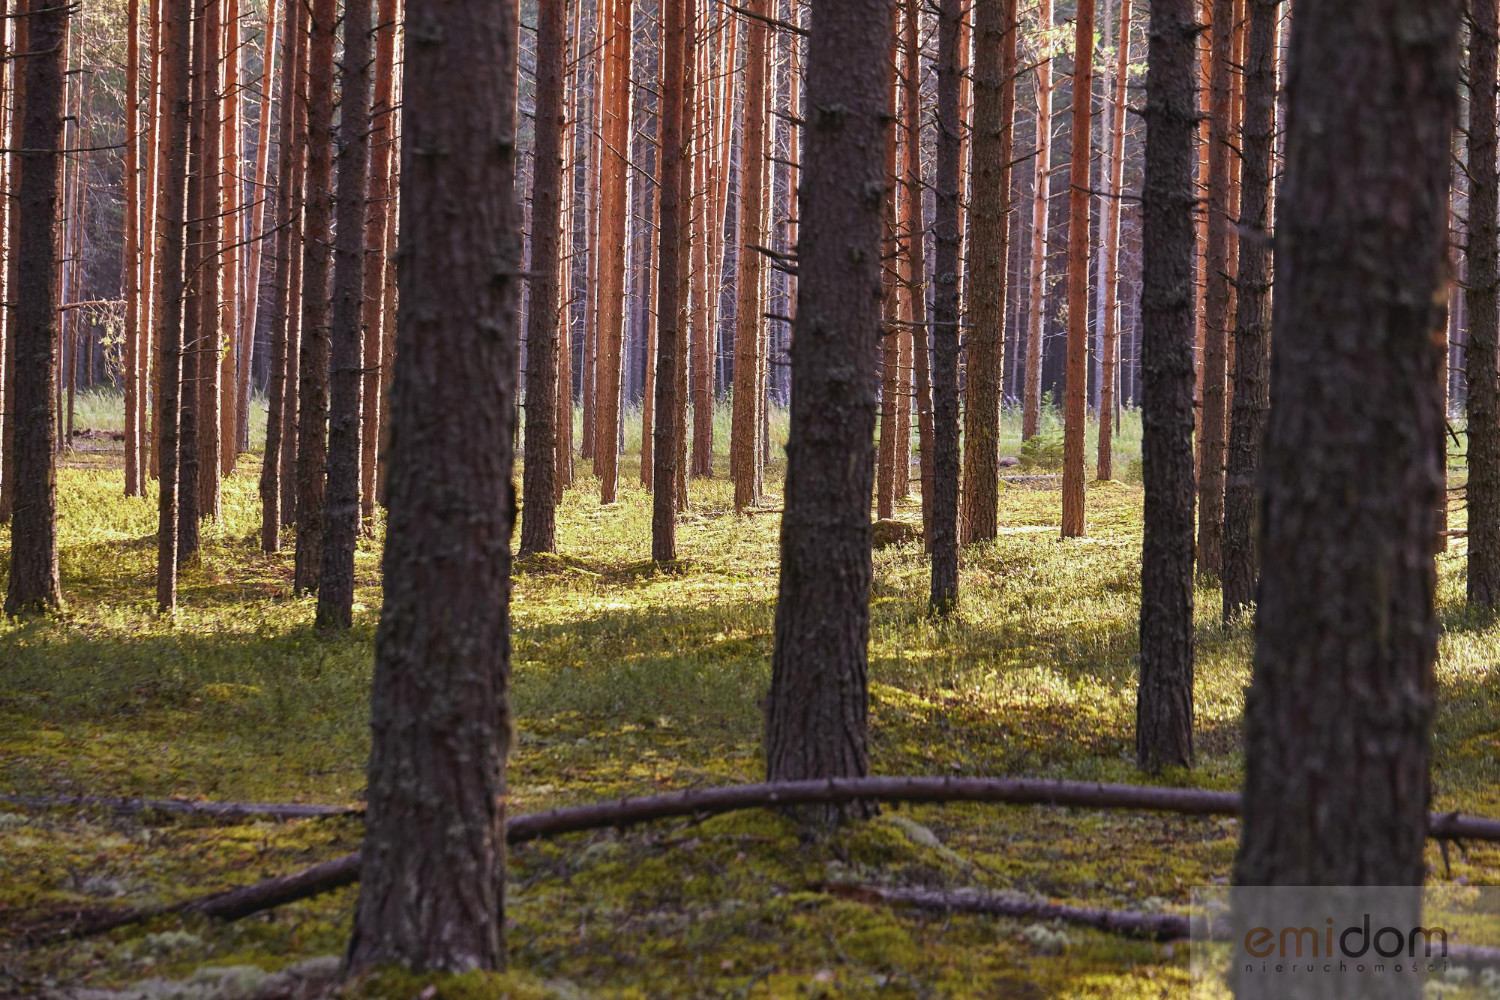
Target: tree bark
[(130, 260), (612, 246), (943, 537), (1075, 400), (1216, 296), (1164, 700), (1483, 298), (382, 141), (912, 222), (194, 277), (995, 43), (817, 716), (749, 331), (671, 312), (277, 426), (207, 339), (341, 516), (33, 586), (230, 188), (433, 866), (890, 276), (1110, 365), (1346, 618), (262, 208), (313, 363), (538, 509), (1031, 405), (13, 266), (1252, 325)]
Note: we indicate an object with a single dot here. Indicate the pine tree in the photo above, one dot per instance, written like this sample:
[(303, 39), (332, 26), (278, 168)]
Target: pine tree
[(942, 538), (1075, 397)]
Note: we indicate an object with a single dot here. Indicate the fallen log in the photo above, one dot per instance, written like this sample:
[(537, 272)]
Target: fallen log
[(235, 903), (222, 810), (1156, 926)]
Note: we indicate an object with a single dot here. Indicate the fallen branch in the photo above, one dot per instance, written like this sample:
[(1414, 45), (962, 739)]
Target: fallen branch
[(1156, 926), (273, 810), (235, 903)]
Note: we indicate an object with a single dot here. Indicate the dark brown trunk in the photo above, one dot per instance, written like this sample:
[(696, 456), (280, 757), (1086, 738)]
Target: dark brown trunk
[(943, 537), (671, 322), (194, 270), (1075, 388), (538, 493), (130, 261), (817, 717), (208, 274), (1483, 296), (1252, 326), (341, 516), (16, 78), (172, 72), (312, 394), (1346, 621), (995, 38), (914, 279), (432, 889), (1164, 701), (749, 328), (33, 583)]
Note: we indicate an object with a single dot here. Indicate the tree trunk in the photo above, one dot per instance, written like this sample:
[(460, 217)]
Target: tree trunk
[(1110, 365), (942, 539), (231, 186), (432, 888), (341, 516), (1075, 400), (1216, 295), (172, 74), (1253, 311), (817, 717), (612, 247), (1164, 700), (372, 400), (671, 311), (1031, 405), (538, 495), (194, 277), (312, 401), (262, 208), (209, 273), (1347, 617), (994, 110), (33, 585), (130, 261), (749, 328), (890, 336), (277, 426), (1483, 296), (13, 266), (915, 277)]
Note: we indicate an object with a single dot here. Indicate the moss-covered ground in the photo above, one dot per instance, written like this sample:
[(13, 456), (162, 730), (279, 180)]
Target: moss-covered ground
[(629, 679)]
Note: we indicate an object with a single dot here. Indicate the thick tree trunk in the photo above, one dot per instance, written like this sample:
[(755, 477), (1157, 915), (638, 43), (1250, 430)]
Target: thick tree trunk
[(538, 494), (1252, 325), (317, 245), (341, 516), (817, 716), (230, 188), (1109, 381), (277, 427), (671, 311), (195, 275), (1036, 317), (1347, 619), (994, 110), (1075, 399), (1216, 296), (1164, 701), (749, 330), (172, 72), (1483, 296), (33, 585), (942, 538), (433, 869)]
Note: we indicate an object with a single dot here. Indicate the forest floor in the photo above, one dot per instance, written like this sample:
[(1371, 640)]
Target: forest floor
[(630, 679)]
